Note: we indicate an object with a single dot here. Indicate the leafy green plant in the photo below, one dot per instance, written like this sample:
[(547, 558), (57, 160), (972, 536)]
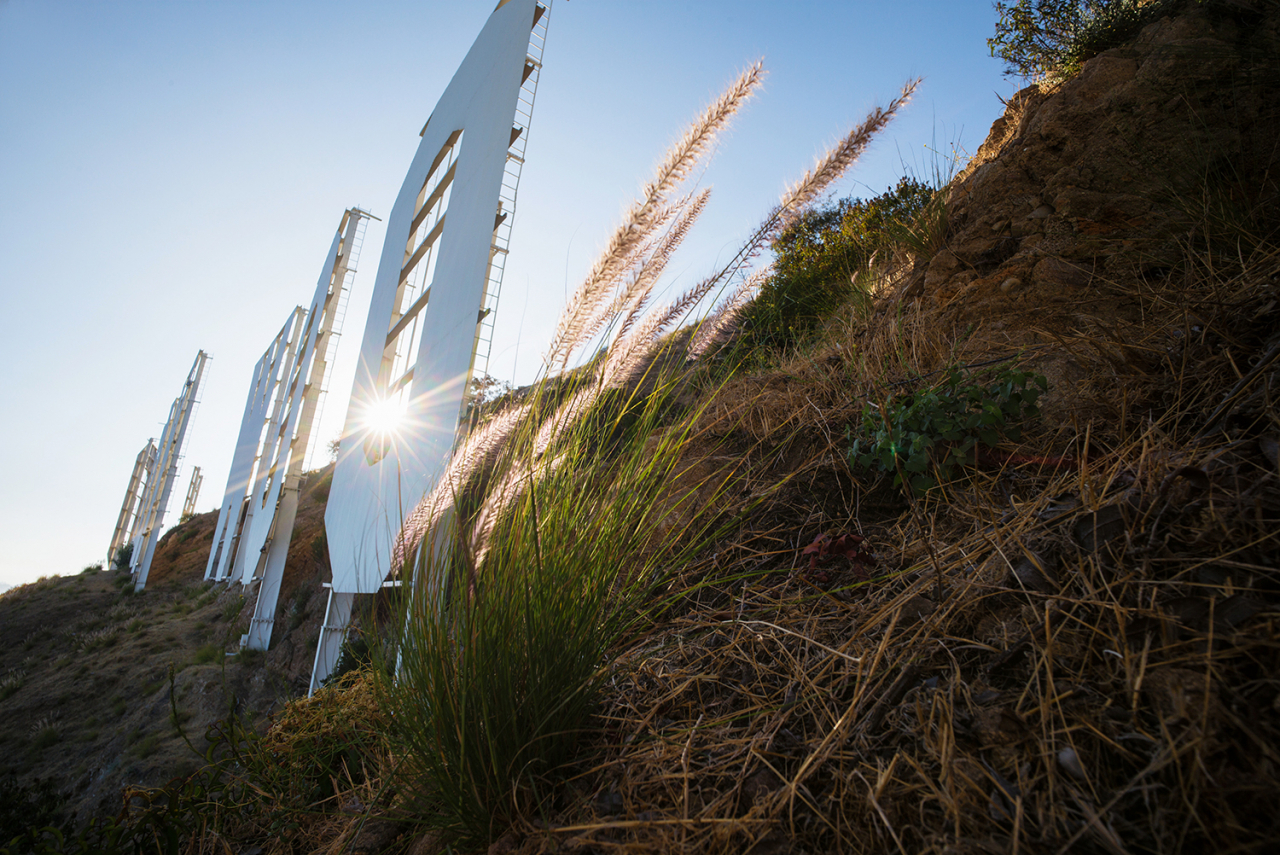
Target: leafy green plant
[(23, 806), (1053, 38), (353, 655), (120, 560), (923, 437), (818, 257)]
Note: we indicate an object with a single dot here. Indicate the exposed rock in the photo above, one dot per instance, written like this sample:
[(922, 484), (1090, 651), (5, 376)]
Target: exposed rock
[(1089, 190)]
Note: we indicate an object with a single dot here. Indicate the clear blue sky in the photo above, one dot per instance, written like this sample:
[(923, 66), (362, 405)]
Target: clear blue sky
[(172, 172)]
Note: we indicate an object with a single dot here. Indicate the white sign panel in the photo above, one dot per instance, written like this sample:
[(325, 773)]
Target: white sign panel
[(415, 358)]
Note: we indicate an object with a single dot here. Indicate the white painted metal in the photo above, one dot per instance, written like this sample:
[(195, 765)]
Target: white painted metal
[(155, 498), (193, 493), (415, 358), (337, 614), (226, 558), (465, 147), (142, 467), (289, 436), (261, 515)]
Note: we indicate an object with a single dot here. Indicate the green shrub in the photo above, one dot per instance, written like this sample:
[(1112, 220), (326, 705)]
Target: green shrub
[(298, 608), (320, 492), (353, 655), (206, 595), (320, 549), (120, 561), (179, 717), (146, 746), (922, 437), (1053, 38), (27, 806), (45, 732), (818, 257)]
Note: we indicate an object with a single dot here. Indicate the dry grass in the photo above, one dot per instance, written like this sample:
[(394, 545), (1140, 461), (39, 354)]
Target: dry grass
[(1072, 650)]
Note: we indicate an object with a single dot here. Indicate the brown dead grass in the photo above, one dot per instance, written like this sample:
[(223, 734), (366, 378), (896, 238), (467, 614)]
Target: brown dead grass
[(1074, 653)]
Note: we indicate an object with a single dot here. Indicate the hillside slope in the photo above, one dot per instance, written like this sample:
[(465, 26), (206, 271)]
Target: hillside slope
[(86, 662), (1067, 645), (1073, 647)]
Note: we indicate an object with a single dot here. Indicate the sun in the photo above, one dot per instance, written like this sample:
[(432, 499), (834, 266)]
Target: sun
[(383, 417), (381, 422)]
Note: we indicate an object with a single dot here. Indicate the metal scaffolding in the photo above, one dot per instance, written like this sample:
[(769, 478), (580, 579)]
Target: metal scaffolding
[(163, 472)]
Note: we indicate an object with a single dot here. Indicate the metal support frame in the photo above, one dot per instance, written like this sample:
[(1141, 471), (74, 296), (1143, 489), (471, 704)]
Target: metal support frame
[(446, 243), (193, 492), (155, 497), (337, 614), (226, 558), (143, 466), (289, 436)]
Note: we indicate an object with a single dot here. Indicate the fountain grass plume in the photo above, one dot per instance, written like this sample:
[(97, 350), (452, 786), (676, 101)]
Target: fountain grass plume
[(635, 296), (801, 195), (635, 339), (644, 216), (479, 445), (505, 646), (795, 201), (720, 321)]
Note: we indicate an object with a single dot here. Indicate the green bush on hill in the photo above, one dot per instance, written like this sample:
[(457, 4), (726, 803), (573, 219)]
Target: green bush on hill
[(1053, 38), (818, 257), (26, 806)]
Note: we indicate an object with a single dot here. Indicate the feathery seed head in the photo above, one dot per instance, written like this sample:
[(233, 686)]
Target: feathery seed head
[(571, 330)]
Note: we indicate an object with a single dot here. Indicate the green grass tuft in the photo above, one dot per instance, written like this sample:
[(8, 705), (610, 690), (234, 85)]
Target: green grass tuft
[(207, 655), (506, 646)]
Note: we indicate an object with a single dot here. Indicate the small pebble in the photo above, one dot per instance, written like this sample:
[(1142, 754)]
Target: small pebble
[(1070, 762)]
